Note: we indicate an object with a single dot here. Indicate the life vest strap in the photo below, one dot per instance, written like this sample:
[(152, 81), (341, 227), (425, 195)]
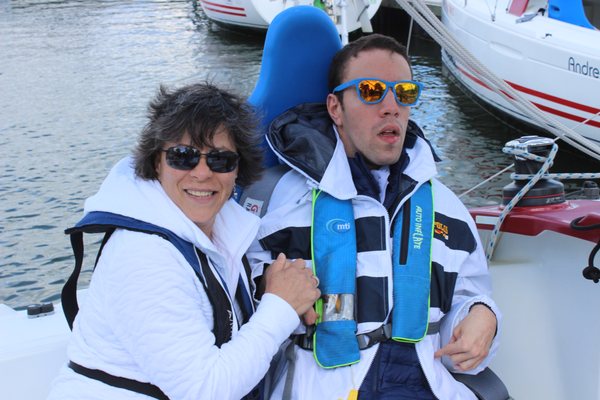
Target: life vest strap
[(365, 340), (104, 222), (145, 388)]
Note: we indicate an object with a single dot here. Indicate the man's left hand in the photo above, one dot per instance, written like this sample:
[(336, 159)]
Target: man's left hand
[(471, 339)]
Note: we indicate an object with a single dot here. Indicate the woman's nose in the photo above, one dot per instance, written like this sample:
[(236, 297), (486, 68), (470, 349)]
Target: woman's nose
[(201, 170)]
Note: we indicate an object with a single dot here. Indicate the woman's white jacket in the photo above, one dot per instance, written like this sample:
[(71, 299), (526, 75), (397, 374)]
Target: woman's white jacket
[(146, 315)]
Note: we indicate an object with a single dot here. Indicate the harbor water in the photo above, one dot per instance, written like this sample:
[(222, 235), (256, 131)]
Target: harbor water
[(76, 77)]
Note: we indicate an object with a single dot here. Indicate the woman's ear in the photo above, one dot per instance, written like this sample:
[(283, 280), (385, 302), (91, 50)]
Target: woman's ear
[(157, 165)]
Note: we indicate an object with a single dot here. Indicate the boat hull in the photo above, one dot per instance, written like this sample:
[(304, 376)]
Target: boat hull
[(258, 14), (235, 13), (553, 64), (550, 328), (32, 351)]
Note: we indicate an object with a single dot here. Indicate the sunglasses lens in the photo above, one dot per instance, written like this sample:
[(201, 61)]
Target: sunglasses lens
[(183, 158), (186, 158), (222, 161), (371, 91), (407, 92)]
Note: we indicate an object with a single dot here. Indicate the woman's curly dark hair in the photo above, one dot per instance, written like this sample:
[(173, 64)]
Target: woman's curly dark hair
[(200, 110)]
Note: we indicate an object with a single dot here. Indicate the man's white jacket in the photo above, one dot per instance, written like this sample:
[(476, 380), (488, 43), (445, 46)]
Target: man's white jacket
[(305, 141)]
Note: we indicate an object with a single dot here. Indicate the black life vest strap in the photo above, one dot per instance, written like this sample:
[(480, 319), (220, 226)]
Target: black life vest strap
[(69, 291), (221, 324), (117, 381), (217, 296), (241, 296)]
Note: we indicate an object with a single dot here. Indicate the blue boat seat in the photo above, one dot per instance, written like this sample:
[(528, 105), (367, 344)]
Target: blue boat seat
[(299, 46), (569, 11)]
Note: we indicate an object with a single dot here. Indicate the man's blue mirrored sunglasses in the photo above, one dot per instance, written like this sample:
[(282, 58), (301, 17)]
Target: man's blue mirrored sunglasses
[(373, 90)]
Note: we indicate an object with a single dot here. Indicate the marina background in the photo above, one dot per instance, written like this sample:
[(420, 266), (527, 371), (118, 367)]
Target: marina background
[(75, 80)]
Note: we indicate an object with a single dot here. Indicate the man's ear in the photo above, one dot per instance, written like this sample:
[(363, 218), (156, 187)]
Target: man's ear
[(334, 107)]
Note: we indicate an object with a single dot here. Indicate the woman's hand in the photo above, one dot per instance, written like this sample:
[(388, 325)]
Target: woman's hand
[(293, 282)]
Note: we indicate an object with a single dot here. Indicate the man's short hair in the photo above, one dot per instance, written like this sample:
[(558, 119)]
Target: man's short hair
[(200, 110), (373, 41)]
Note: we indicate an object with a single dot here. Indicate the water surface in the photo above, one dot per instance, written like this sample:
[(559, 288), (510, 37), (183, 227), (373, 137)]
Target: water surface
[(75, 78)]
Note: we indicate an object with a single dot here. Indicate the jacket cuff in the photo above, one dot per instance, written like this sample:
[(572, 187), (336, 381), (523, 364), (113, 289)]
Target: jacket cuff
[(446, 331), (277, 309)]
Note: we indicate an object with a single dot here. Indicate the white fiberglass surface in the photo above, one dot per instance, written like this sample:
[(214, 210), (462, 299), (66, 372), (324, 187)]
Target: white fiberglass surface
[(549, 340)]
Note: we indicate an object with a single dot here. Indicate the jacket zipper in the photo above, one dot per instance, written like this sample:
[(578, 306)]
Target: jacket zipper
[(425, 373)]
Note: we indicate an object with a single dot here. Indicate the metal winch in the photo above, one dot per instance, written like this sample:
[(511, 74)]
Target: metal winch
[(546, 191)]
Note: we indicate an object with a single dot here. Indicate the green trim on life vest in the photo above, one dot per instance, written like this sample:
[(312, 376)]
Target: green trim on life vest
[(319, 302)]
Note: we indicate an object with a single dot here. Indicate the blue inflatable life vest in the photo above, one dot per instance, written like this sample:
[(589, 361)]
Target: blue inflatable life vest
[(333, 241)]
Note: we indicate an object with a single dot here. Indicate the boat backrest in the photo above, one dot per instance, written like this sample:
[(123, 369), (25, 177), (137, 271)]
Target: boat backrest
[(299, 46), (569, 11)]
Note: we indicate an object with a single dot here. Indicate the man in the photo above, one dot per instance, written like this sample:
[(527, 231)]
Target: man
[(417, 302)]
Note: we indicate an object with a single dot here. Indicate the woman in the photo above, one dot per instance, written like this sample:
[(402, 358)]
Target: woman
[(158, 322)]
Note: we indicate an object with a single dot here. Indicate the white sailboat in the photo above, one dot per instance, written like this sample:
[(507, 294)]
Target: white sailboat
[(348, 15), (548, 51)]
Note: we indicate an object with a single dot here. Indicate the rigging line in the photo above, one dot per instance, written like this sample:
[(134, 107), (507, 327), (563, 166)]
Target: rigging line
[(495, 233), (486, 180), (560, 175), (410, 29), (494, 12), (521, 131), (585, 121), (492, 16)]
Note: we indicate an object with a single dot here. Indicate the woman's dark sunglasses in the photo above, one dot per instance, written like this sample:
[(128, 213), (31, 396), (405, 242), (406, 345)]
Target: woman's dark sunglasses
[(185, 158)]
